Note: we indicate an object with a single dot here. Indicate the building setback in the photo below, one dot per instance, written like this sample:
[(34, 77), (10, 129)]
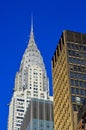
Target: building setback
[(69, 79), (31, 81), (39, 116)]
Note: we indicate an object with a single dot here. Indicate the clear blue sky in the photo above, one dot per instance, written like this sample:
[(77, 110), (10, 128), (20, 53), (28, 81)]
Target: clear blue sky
[(51, 17)]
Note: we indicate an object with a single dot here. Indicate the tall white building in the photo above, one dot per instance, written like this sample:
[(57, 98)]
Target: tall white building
[(31, 81)]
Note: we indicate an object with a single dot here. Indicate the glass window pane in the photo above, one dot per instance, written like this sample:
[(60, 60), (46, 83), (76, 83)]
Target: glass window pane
[(72, 82), (73, 98), (76, 82), (81, 83), (72, 90), (77, 91)]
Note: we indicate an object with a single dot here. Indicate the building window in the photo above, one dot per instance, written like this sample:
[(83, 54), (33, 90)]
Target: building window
[(77, 91), (73, 98), (78, 100), (74, 107), (76, 82), (81, 91), (81, 83), (84, 84), (72, 82), (73, 90)]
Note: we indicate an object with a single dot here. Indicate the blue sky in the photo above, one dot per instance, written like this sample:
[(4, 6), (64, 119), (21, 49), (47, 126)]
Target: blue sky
[(51, 17)]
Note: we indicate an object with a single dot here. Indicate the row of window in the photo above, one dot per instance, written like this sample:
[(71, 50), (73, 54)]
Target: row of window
[(78, 100), (35, 88), (77, 47), (78, 83), (77, 68), (34, 76), (76, 61), (76, 53), (78, 91), (77, 75)]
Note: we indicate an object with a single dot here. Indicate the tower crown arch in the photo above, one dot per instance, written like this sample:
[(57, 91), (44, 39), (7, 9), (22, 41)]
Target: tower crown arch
[(32, 55), (32, 58)]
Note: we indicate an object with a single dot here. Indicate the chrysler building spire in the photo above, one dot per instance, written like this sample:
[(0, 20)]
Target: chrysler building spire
[(31, 57), (31, 33), (31, 81), (32, 23), (31, 40)]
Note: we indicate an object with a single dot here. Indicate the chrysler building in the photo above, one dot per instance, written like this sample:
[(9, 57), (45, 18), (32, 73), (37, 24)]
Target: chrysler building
[(31, 81)]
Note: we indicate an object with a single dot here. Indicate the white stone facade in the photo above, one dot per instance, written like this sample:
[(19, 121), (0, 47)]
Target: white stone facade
[(31, 81)]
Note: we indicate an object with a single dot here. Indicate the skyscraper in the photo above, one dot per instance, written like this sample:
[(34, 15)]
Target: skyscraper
[(31, 81), (69, 79)]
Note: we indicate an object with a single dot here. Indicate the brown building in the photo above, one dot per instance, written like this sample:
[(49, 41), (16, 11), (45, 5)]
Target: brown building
[(69, 79)]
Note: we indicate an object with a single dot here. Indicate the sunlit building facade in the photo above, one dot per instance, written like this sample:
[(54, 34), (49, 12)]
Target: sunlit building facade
[(31, 81), (69, 79)]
